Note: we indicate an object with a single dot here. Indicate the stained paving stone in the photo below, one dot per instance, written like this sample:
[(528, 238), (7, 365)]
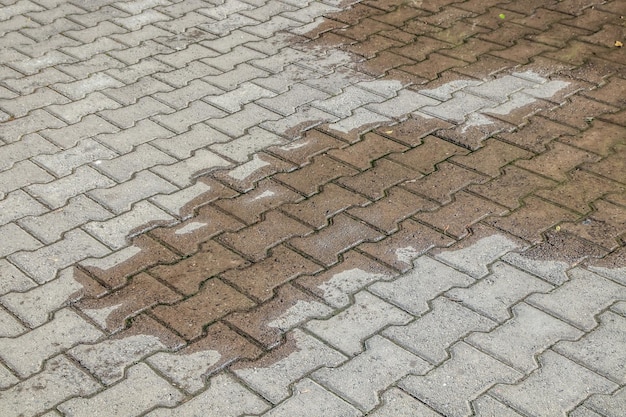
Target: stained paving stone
[(293, 210)]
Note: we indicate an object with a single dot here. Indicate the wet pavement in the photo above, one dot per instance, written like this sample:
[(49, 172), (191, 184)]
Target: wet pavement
[(324, 208)]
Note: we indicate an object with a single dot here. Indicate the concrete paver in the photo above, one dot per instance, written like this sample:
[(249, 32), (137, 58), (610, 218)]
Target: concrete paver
[(334, 208)]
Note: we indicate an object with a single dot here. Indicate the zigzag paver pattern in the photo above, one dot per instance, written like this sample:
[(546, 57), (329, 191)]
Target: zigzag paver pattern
[(333, 208)]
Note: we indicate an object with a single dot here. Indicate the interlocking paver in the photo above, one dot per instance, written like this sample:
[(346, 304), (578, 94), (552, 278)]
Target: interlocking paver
[(61, 379), (272, 375), (108, 359), (18, 204), (553, 368), (473, 372), (143, 389), (367, 315), (381, 364), (27, 353)]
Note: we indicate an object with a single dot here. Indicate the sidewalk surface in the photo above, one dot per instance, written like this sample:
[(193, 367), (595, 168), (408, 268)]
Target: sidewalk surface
[(313, 208)]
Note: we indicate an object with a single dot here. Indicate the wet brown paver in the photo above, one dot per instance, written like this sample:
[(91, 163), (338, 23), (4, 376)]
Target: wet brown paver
[(425, 150)]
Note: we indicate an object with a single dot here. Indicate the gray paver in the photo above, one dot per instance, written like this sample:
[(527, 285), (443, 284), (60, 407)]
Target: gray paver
[(114, 232), (123, 167), (18, 204), (42, 265), (525, 336), (225, 397), (360, 379), (17, 239), (184, 172), (607, 338), (538, 395), (467, 374), (27, 147), (69, 136), (609, 405), (63, 163), (185, 144), (348, 329), (60, 380), (487, 406), (56, 193), (34, 307), (108, 359), (9, 327), (13, 279), (397, 403), (590, 293), (142, 132), (274, 380), (432, 334), (141, 390), (475, 258), (307, 395), (413, 290), (51, 226), (500, 290), (121, 197), (27, 353), (21, 174)]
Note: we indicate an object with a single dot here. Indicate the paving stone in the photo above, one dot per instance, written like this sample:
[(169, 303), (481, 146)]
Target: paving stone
[(280, 266), (142, 390), (496, 293), (60, 380), (309, 396), (185, 144), (533, 219), (219, 399), (13, 279), (348, 329), (121, 197), (244, 177), (37, 305), (255, 240), (415, 289), (450, 387), (29, 146), (27, 353), (123, 167), (184, 172), (385, 174), (552, 258), (51, 226), (318, 209), (590, 293), (538, 395), (125, 141), (17, 240), (190, 273), (114, 232), (342, 234), (609, 406), (21, 174), (320, 171), (70, 136), (338, 283), (234, 100), (63, 163), (396, 403), (181, 203), (444, 182), (10, 326), (606, 339), (114, 269), (412, 240), (487, 406), (129, 115), (272, 375), (431, 335), (187, 236), (113, 311), (190, 367), (109, 358), (458, 217), (381, 364), (525, 336), (245, 145), (58, 192), (603, 227), (214, 300)]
